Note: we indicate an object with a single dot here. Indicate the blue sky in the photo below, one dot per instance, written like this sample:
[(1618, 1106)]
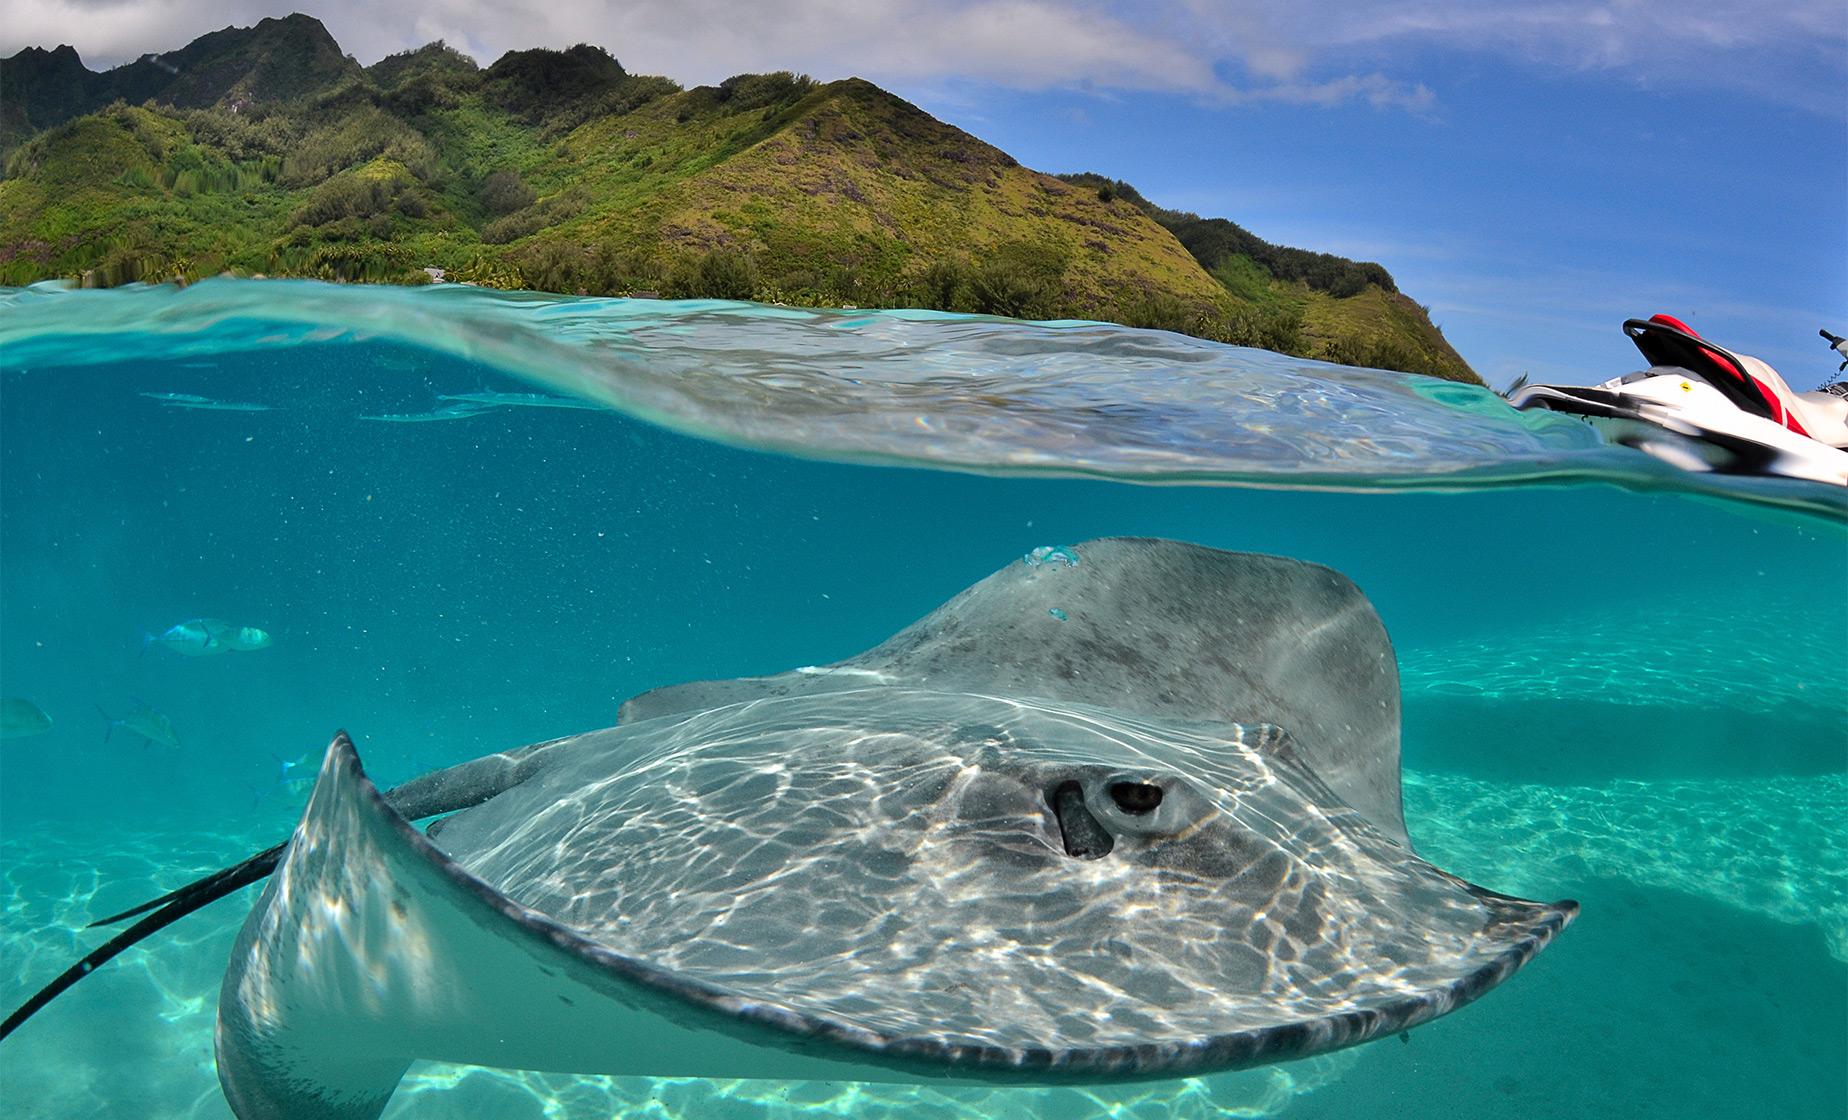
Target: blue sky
[(1535, 172), (1532, 210)]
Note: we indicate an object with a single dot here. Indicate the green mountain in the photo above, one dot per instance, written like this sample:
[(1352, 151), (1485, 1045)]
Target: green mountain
[(1351, 311), (265, 150), (277, 60)]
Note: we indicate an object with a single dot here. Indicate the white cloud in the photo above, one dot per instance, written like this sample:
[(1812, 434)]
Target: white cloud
[(1312, 52), (1376, 90), (1793, 51), (105, 34), (1588, 33)]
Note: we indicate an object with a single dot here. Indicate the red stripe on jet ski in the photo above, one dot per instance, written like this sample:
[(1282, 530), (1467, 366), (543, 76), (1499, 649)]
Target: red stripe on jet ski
[(1795, 425), (1777, 406)]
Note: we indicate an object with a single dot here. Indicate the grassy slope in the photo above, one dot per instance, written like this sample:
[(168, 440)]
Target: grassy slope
[(1344, 311), (1372, 328), (1381, 328), (849, 185), (767, 187)]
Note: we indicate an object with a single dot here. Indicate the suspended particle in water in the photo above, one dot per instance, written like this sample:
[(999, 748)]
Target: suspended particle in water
[(1057, 613), (1056, 555)]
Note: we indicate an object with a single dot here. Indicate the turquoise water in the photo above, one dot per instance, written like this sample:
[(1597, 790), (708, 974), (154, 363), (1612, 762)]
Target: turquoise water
[(1622, 685)]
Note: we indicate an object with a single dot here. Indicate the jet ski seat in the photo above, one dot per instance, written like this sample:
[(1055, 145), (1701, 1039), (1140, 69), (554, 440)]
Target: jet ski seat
[(1750, 384)]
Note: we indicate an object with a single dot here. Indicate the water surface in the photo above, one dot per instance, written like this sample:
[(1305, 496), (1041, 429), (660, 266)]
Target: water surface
[(1622, 684)]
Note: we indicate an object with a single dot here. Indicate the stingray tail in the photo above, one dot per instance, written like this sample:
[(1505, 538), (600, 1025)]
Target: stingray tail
[(444, 791), (262, 864), (172, 907)]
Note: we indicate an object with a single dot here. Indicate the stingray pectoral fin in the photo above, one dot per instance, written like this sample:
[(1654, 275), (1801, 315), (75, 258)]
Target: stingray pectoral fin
[(370, 948), (471, 783)]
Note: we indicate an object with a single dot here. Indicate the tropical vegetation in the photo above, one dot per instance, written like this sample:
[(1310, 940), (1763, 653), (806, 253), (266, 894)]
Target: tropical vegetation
[(268, 151)]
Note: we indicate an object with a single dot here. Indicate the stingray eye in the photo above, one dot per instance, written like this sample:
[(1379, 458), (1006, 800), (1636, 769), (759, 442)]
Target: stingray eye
[(1135, 798)]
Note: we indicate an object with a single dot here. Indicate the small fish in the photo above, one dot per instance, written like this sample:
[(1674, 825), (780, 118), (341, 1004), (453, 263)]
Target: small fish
[(289, 770), (226, 406), (244, 638), (456, 411), (152, 726), (207, 404), (294, 778), (492, 399), (196, 637), (205, 637), (21, 718)]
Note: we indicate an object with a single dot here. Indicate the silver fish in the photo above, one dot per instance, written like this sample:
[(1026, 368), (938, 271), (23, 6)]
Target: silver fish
[(21, 718), (206, 637), (152, 726), (205, 404)]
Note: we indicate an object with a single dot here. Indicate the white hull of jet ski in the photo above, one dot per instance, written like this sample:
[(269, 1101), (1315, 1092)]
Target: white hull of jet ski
[(1705, 408), (1686, 422)]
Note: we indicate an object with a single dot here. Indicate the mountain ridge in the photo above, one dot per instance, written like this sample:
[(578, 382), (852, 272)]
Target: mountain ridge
[(267, 150)]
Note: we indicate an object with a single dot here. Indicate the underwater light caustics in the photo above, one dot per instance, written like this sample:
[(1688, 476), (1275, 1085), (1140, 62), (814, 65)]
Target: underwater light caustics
[(1159, 837)]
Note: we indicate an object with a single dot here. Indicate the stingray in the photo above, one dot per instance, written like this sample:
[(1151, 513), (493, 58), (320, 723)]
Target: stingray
[(1133, 814)]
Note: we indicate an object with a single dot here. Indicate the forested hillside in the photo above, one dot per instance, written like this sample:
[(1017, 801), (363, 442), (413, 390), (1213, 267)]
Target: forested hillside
[(268, 151)]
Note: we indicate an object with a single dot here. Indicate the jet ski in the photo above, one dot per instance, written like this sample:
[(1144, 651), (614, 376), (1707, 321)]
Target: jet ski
[(1704, 408)]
